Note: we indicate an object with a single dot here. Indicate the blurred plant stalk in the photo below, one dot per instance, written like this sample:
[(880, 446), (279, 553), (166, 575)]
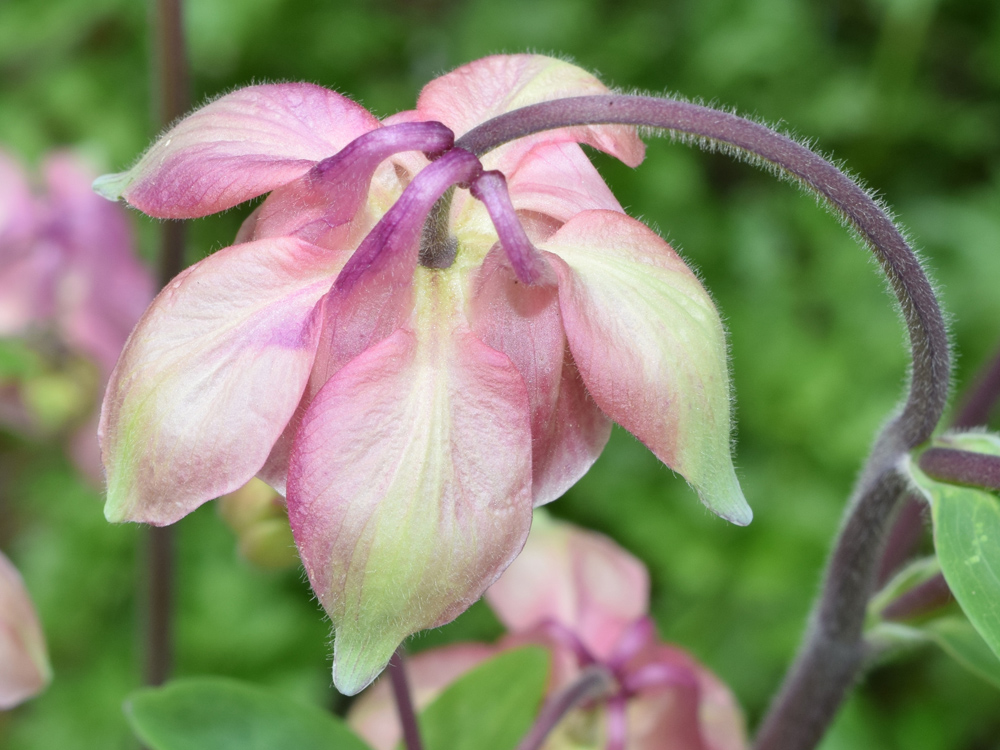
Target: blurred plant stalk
[(171, 100)]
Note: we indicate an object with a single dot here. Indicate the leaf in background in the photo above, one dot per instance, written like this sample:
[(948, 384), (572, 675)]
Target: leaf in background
[(490, 708), (967, 539), (958, 639), (215, 713)]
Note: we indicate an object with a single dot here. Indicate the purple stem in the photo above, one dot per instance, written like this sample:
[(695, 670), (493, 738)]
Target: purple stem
[(173, 99), (404, 703), (529, 265), (961, 467), (832, 652), (592, 683), (929, 596)]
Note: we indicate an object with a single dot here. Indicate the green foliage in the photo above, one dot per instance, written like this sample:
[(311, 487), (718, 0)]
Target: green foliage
[(493, 706), (212, 713), (967, 540)]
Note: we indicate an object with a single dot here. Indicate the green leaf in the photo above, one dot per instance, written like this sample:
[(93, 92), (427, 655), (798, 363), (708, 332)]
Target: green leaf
[(957, 637), (967, 539), (493, 706), (215, 713)]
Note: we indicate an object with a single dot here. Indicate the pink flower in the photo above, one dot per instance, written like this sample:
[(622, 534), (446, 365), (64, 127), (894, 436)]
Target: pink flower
[(68, 274), (413, 394), (24, 663), (586, 599)]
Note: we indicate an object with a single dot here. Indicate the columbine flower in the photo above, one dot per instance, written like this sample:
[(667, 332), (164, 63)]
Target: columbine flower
[(69, 281), (586, 599), (415, 392), (24, 662)]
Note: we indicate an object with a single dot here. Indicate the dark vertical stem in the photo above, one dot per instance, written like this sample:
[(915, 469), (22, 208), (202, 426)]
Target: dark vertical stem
[(833, 650), (404, 702), (169, 63)]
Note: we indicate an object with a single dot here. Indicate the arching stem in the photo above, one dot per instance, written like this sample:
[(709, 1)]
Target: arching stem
[(832, 652)]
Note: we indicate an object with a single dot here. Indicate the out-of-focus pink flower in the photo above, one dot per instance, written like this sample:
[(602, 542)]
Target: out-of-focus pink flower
[(416, 394), (24, 662), (69, 277), (586, 599)]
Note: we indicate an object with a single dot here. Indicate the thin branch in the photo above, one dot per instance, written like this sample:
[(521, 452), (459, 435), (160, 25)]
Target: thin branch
[(593, 682), (404, 702), (926, 597), (832, 652), (962, 467), (171, 82)]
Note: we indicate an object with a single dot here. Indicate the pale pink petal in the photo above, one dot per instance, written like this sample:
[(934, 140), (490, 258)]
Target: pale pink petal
[(491, 86), (27, 264), (17, 207), (103, 289), (211, 376), (24, 662), (574, 577), (373, 716), (651, 348), (238, 147), (568, 431), (409, 487), (558, 180)]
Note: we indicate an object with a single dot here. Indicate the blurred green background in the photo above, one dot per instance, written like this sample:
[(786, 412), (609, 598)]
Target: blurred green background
[(905, 92)]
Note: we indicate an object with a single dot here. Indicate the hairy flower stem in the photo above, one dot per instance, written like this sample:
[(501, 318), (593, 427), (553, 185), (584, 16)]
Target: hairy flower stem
[(172, 100), (593, 682), (404, 702), (833, 650)]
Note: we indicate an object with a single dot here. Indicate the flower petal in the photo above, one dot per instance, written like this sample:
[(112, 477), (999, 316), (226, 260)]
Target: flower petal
[(577, 578), (238, 147), (24, 662), (568, 431), (558, 180), (211, 376), (650, 347), (104, 289), (409, 489), (491, 86)]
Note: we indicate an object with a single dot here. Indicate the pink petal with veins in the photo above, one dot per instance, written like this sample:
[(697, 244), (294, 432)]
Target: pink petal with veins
[(568, 431), (237, 147), (558, 180), (409, 488), (491, 86), (210, 377), (651, 348)]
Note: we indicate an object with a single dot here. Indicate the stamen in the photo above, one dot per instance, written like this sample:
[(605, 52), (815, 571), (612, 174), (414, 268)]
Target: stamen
[(399, 230), (529, 265)]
